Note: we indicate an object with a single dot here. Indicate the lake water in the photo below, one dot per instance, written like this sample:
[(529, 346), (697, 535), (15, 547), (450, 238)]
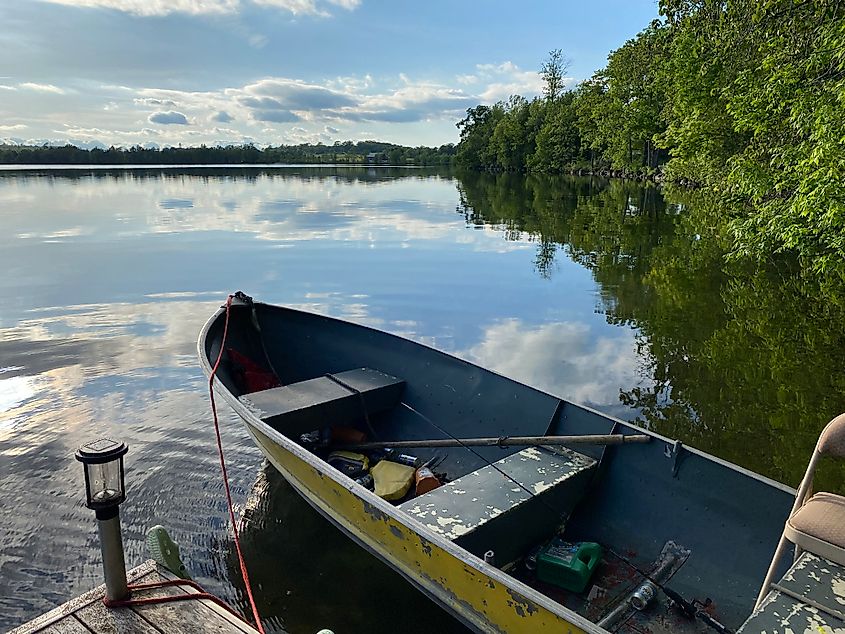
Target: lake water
[(601, 292)]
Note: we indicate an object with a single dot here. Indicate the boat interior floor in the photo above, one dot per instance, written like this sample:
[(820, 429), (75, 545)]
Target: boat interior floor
[(606, 600), (810, 597)]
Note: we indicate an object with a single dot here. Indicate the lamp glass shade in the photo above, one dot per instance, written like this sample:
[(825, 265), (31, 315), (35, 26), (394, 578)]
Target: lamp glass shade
[(105, 486), (103, 462)]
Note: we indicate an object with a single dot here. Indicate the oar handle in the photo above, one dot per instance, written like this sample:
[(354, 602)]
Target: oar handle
[(503, 441)]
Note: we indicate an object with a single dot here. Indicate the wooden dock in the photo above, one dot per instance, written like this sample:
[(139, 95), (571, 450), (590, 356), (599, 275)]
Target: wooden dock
[(86, 614)]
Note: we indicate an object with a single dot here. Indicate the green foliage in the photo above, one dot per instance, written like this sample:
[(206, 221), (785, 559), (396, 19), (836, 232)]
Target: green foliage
[(791, 106), (620, 108), (345, 152), (746, 98), (475, 149), (557, 144), (553, 72)]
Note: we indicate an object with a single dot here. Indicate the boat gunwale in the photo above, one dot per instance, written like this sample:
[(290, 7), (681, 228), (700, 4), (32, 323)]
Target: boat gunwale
[(406, 519)]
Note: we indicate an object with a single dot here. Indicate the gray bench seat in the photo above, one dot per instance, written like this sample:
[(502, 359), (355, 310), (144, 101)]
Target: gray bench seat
[(302, 407), (484, 510), (809, 598)]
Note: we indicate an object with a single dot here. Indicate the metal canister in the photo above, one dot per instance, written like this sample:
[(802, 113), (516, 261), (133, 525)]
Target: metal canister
[(366, 481), (643, 595), (407, 459)]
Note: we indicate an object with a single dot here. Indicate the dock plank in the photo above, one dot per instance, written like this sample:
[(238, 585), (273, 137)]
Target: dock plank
[(235, 621), (87, 614), (102, 620), (40, 623), (199, 613), (68, 625)]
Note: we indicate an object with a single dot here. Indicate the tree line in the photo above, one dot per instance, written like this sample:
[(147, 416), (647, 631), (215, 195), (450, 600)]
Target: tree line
[(745, 98), (346, 152)]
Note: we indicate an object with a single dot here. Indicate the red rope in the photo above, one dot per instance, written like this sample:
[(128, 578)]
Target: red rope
[(199, 595), (244, 573)]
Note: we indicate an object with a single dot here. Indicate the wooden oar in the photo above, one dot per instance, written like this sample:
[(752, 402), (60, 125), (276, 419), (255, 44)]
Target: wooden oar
[(502, 441)]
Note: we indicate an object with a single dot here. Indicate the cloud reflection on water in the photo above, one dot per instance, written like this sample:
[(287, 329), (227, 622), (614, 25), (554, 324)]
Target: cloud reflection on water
[(100, 337), (126, 371), (563, 358)]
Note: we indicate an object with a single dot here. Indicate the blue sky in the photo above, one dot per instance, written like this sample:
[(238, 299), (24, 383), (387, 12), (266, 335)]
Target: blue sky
[(163, 72)]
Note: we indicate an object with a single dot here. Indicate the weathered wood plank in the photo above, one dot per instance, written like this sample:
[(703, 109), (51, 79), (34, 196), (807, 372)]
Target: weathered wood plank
[(87, 614), (197, 614), (223, 613), (103, 620), (68, 625), (136, 575)]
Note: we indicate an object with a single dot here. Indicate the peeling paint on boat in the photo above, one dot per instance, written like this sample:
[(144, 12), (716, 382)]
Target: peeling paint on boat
[(465, 587)]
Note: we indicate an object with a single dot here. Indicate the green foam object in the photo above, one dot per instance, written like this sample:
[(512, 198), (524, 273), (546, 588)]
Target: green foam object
[(165, 552)]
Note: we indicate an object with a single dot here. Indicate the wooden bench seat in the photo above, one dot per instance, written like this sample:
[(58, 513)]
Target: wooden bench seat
[(302, 407), (484, 510)]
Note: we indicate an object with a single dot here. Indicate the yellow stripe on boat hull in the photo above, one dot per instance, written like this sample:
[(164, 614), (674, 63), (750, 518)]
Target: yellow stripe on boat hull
[(481, 602)]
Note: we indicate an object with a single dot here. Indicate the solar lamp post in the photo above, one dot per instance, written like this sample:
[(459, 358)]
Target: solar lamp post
[(105, 490)]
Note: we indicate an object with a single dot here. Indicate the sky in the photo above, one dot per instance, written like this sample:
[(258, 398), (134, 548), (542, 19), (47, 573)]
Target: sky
[(168, 72)]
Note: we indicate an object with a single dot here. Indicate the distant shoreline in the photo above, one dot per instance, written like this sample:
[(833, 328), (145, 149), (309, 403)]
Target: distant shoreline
[(22, 167)]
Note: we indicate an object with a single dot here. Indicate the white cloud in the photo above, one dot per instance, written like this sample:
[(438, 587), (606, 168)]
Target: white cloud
[(5, 87), (9, 128), (151, 101), (149, 8), (157, 7), (221, 116), (297, 7), (349, 5), (328, 109), (168, 117), (502, 80), (414, 102), (42, 88), (295, 94)]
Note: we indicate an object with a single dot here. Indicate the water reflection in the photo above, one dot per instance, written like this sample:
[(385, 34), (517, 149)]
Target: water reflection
[(323, 581), (600, 292), (109, 278), (564, 358), (734, 354), (113, 370)]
